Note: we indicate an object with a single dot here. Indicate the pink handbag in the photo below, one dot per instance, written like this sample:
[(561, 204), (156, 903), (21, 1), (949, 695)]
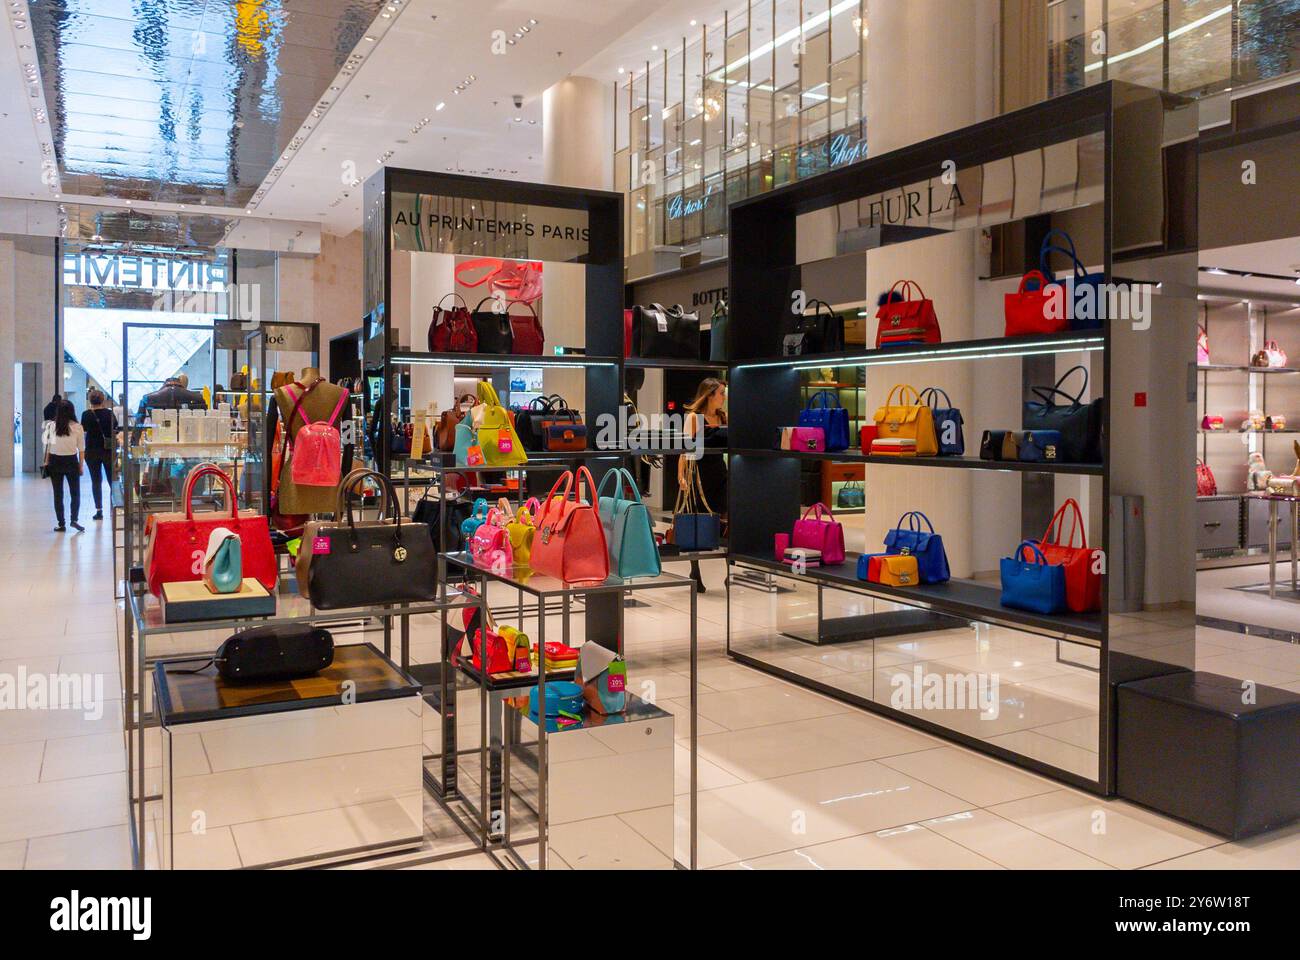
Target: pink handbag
[(1202, 347), (570, 542), (490, 545), (805, 439), (818, 530)]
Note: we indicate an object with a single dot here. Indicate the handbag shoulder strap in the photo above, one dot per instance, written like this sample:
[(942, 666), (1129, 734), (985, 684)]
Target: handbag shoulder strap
[(819, 511), (1057, 527), (438, 308), (904, 391), (1024, 545), (933, 393), (1045, 252)]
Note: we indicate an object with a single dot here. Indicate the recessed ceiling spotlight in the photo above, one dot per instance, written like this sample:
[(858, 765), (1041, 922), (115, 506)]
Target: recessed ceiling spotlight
[(370, 39), (440, 105), (532, 21), (620, 70), (519, 119), (534, 122), (692, 23), (654, 46)]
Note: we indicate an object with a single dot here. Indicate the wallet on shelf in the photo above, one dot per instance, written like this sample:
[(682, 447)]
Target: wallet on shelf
[(999, 445), (807, 555), (890, 569), (805, 439)]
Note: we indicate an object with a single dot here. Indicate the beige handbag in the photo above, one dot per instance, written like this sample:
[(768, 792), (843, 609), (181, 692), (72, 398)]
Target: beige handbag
[(1287, 485)]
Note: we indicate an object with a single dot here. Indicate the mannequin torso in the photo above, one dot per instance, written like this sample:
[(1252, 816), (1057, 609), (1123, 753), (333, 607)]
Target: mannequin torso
[(319, 404)]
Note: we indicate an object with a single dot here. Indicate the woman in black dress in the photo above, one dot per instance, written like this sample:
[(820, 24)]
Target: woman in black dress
[(707, 413), (100, 426)]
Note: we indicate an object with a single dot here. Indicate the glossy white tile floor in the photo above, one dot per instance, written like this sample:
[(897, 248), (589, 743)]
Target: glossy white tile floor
[(789, 779)]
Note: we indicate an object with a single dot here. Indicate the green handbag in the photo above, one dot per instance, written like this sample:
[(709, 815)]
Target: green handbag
[(223, 563)]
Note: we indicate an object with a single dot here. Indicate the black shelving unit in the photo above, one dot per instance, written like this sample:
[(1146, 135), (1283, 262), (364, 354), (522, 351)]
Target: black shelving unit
[(766, 387)]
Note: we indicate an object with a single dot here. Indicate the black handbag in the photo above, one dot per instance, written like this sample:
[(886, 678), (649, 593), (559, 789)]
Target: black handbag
[(999, 445), (667, 333), (821, 331), (430, 511), (529, 422), (1078, 422), (268, 654), (373, 563), (493, 329)]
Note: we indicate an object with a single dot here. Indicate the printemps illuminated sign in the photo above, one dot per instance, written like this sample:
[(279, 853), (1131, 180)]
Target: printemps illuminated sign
[(522, 231), (129, 272)]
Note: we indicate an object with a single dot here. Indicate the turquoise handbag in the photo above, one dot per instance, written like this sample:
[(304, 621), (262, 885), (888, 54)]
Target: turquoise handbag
[(476, 519), (629, 535), (465, 438), (223, 563)]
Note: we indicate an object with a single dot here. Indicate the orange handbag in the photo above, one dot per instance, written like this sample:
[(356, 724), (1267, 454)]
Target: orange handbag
[(570, 541)]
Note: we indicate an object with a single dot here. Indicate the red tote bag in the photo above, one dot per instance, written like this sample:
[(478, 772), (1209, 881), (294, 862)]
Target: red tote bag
[(526, 330), (1026, 310), (178, 541), (1082, 581), (907, 321), (1205, 483), (570, 542)]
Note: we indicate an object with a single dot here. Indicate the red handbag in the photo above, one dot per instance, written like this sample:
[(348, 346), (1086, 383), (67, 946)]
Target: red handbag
[(907, 321), (570, 541), (1026, 310), (1206, 486), (1082, 581), (452, 331), (529, 339), (178, 541), (867, 435), (628, 327)]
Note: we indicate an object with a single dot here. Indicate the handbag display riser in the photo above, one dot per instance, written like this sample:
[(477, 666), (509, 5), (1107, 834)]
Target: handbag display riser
[(873, 625)]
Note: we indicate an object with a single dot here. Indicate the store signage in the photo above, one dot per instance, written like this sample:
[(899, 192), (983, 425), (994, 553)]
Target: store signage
[(129, 272), (457, 225), (230, 335), (912, 206), (844, 149), (679, 206), (493, 225), (705, 298)]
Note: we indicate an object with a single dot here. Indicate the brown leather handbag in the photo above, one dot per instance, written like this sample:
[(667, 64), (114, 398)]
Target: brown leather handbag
[(445, 434)]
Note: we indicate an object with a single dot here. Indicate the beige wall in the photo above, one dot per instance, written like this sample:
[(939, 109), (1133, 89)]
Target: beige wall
[(26, 324), (324, 289)]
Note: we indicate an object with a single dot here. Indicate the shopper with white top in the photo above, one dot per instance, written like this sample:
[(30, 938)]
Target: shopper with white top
[(65, 455)]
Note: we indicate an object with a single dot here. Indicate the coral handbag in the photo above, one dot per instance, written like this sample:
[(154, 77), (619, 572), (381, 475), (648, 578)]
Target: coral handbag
[(570, 541), (818, 530), (1082, 580), (1206, 486), (178, 542), (908, 419), (907, 321), (1026, 310)]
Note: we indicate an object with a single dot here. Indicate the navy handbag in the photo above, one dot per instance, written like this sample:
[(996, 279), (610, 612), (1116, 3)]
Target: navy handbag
[(926, 546), (947, 422), (1089, 306), (1033, 585), (1040, 446), (824, 411)]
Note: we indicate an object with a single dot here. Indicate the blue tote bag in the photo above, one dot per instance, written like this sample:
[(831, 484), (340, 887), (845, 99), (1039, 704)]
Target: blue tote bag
[(628, 534), (910, 536), (1089, 307), (824, 411), (1033, 585), (947, 422)]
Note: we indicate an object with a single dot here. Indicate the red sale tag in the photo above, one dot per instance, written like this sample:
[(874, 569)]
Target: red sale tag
[(617, 683), (1139, 399), (320, 545)]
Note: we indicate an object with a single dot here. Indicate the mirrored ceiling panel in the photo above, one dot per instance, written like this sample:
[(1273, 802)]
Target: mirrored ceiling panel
[(186, 101)]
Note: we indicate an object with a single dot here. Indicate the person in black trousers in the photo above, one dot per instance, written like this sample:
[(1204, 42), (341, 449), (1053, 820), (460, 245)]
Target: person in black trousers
[(100, 426), (65, 448)]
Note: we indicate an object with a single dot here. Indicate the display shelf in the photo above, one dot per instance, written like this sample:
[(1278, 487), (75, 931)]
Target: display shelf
[(979, 349), (496, 682), (486, 360), (959, 463), (664, 363), (544, 586), (1244, 433), (1244, 368), (967, 599)]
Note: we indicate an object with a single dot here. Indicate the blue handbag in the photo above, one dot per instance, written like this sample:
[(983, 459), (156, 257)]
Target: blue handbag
[(824, 411), (926, 546), (1040, 446), (1033, 585), (629, 535), (695, 525), (947, 422), (1089, 306), (223, 563), (476, 519), (465, 438)]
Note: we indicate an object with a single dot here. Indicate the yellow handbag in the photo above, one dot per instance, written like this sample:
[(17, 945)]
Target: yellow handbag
[(496, 431), (908, 419), (521, 529), (899, 571)]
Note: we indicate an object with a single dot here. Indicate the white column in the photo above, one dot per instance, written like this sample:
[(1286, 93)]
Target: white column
[(7, 321), (578, 134), (929, 71)]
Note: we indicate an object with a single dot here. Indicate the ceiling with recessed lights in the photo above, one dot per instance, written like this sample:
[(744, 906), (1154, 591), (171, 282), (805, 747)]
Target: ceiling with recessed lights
[(185, 101)]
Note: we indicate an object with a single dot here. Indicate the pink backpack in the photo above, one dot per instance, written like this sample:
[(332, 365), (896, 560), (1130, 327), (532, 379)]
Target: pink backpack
[(317, 453)]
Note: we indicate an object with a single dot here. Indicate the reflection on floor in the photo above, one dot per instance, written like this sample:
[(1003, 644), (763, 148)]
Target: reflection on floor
[(788, 778)]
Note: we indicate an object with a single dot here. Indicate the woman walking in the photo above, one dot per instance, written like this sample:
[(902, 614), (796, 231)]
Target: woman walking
[(65, 450), (707, 415), (100, 427)]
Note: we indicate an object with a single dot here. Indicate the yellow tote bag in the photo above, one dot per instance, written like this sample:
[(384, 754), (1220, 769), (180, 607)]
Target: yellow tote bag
[(496, 431), (907, 419)]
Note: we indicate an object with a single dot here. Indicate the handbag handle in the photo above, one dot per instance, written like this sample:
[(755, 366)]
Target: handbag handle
[(1045, 252), (387, 498), (1039, 558), (1057, 526), (819, 512), (1046, 393), (914, 518), (908, 285), (693, 494), (902, 390), (1032, 275), (463, 268), (529, 510), (439, 309), (827, 398), (487, 394), (209, 470), (933, 393), (622, 478)]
